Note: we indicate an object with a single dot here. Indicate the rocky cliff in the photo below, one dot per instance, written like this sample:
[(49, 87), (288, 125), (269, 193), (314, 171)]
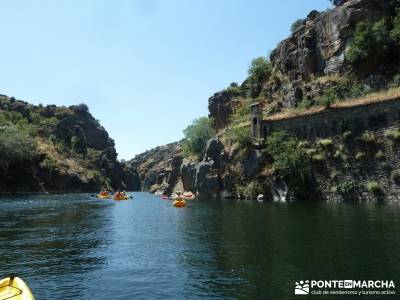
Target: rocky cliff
[(220, 169), (158, 169), (313, 59), (56, 149), (312, 67)]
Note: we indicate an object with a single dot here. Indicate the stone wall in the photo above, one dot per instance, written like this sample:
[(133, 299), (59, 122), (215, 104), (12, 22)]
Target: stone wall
[(336, 121)]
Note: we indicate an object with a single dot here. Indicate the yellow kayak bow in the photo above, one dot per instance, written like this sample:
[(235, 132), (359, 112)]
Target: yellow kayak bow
[(14, 288)]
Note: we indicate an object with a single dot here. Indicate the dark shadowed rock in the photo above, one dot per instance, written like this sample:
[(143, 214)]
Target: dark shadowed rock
[(251, 163), (175, 163), (188, 175), (131, 180), (56, 166), (214, 148), (280, 191)]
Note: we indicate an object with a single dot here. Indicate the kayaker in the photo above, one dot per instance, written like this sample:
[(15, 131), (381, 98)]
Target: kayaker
[(179, 196)]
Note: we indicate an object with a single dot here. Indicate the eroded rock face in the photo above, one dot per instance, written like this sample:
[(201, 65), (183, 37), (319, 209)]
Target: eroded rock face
[(158, 169), (318, 47), (208, 182), (83, 124), (164, 170), (215, 151), (280, 191), (131, 180), (251, 163), (220, 107), (188, 175), (315, 49), (301, 67), (292, 94)]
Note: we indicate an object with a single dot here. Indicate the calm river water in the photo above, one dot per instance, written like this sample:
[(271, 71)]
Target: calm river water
[(78, 247)]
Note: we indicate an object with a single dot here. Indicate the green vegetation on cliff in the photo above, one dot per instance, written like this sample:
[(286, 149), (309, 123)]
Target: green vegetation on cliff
[(259, 71), (196, 136), (290, 161), (50, 148), (342, 58), (373, 40), (241, 135), (16, 148)]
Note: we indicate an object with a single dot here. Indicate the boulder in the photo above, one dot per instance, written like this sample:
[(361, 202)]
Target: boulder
[(251, 163), (188, 175), (208, 182), (214, 148), (292, 95), (280, 191), (175, 166)]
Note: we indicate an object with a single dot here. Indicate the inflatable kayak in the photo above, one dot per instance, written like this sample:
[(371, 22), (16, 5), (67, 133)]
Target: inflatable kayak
[(121, 198), (179, 203), (14, 288), (103, 196), (188, 196), (184, 196)]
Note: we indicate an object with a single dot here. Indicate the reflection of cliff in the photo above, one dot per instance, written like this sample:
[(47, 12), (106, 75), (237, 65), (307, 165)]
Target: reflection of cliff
[(257, 251), (44, 238)]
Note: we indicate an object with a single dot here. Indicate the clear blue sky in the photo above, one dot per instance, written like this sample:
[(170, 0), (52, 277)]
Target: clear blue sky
[(146, 68)]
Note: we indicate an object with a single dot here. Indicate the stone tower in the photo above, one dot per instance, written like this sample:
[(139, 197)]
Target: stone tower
[(256, 120)]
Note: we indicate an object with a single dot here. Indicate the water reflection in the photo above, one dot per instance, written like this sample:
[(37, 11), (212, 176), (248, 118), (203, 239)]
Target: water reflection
[(46, 238), (76, 246), (252, 250)]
